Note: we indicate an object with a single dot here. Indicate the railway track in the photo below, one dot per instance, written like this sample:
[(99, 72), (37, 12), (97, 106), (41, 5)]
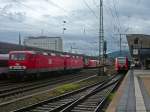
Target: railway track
[(94, 100), (9, 85), (22, 89), (84, 99), (5, 83)]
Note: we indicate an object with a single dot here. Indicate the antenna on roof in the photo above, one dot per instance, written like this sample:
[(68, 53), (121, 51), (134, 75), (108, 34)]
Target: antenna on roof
[(19, 38)]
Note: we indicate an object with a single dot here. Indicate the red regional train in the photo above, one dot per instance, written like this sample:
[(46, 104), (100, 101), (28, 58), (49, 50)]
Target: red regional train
[(121, 64), (32, 62)]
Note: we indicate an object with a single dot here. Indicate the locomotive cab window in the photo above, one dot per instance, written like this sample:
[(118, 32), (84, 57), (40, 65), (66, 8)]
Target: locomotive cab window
[(122, 60), (18, 56)]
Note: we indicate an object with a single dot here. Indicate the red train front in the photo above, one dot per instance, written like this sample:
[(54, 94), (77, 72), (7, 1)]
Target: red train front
[(121, 64), (21, 61)]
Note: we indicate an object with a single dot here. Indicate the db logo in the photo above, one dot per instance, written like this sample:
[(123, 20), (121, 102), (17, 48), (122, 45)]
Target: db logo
[(50, 61), (17, 64)]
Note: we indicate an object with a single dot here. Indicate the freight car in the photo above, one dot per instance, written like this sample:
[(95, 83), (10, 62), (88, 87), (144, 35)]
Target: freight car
[(23, 63), (121, 64), (4, 64)]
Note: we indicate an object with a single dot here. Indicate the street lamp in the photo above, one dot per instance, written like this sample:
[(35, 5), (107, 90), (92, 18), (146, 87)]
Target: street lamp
[(63, 30)]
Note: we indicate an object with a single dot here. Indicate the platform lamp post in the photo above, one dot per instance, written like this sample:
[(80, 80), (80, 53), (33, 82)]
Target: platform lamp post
[(63, 30)]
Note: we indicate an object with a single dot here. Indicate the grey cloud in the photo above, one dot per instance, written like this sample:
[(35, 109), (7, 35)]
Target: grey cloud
[(82, 26), (17, 16)]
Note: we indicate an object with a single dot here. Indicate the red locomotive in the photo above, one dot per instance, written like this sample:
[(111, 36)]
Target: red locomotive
[(121, 64), (90, 63), (32, 62), (73, 62)]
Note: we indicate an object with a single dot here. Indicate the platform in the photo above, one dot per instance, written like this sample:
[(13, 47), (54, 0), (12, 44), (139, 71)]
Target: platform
[(133, 94)]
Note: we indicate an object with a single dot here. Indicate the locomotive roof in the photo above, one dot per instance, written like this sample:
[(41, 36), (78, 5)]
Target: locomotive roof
[(31, 52), (121, 57), (34, 52)]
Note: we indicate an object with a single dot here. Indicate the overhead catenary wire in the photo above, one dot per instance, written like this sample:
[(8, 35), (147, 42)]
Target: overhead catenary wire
[(64, 10), (68, 18), (58, 6), (120, 28), (94, 2), (114, 21), (50, 2), (92, 11), (117, 15)]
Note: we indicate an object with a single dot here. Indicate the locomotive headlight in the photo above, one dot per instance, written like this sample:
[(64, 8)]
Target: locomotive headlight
[(17, 67), (24, 67), (10, 67)]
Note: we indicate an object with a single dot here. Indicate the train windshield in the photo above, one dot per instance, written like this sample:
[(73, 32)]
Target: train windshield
[(18, 56), (122, 60)]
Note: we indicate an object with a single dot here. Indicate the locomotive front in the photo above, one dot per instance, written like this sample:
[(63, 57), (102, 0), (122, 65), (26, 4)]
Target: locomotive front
[(19, 62)]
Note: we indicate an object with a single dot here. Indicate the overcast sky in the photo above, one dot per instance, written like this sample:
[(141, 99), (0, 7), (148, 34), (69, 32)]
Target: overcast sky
[(45, 17)]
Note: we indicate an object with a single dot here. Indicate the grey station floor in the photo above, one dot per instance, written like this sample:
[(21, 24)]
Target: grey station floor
[(133, 94)]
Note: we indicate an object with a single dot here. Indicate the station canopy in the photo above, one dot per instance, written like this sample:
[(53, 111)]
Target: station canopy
[(141, 42)]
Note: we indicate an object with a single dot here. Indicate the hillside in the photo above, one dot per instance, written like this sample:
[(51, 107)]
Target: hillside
[(118, 54)]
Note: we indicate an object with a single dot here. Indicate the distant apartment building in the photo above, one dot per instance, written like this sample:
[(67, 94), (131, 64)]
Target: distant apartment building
[(44, 42)]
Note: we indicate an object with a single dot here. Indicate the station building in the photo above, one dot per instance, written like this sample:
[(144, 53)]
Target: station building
[(44, 42), (139, 46)]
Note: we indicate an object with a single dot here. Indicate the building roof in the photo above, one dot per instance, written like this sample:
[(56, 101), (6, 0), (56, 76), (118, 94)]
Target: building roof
[(41, 37), (143, 40), (140, 42)]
